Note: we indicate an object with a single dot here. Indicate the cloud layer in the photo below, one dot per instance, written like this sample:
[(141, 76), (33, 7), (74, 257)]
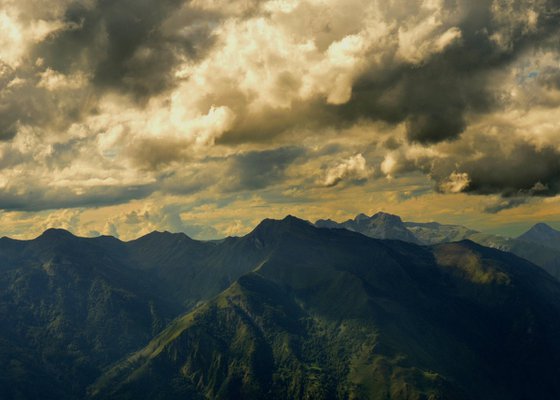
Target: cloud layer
[(104, 103)]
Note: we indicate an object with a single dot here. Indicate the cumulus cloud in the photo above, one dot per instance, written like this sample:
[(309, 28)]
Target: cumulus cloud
[(520, 171), (105, 102), (353, 168), (455, 183)]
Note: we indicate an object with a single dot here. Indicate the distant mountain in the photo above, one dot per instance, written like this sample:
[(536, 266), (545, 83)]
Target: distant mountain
[(434, 233), (543, 235), (378, 226), (543, 252), (543, 256), (331, 314)]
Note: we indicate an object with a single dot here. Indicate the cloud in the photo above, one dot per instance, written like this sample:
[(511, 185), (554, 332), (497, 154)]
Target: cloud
[(127, 45), (353, 169), (456, 182), (506, 204), (169, 217), (38, 197), (260, 169), (104, 102), (518, 172), (52, 80)]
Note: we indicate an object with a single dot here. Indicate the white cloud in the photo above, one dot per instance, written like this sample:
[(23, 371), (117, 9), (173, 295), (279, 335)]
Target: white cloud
[(426, 34), (389, 165), (24, 24), (455, 183), (353, 168)]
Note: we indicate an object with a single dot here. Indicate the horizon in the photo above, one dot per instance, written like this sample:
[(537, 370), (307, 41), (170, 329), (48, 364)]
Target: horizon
[(555, 226), (207, 117)]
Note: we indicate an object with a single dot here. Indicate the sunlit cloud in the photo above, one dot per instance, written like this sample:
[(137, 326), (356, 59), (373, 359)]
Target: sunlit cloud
[(143, 113)]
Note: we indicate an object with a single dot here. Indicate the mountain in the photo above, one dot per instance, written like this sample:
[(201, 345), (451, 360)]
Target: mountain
[(287, 311), (544, 256), (541, 252), (332, 314), (71, 306), (543, 235), (378, 226), (68, 309), (434, 233)]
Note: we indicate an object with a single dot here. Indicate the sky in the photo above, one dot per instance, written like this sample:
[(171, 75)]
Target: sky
[(121, 117)]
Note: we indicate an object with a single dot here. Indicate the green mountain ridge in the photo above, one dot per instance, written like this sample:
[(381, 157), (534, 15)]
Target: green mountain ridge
[(333, 314), (68, 309), (287, 311)]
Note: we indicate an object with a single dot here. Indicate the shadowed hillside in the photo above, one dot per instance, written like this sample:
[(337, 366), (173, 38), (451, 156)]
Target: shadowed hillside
[(333, 314)]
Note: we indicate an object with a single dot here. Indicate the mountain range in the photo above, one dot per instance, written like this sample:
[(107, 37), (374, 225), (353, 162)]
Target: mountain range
[(540, 244), (288, 311)]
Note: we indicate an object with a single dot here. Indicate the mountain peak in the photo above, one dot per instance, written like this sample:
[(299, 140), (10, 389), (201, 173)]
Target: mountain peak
[(56, 233), (290, 219), (361, 217), (542, 234), (543, 227), (381, 225), (289, 223), (326, 223), (386, 216), (162, 235)]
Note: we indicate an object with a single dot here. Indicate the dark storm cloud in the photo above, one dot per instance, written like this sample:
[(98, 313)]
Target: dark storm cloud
[(134, 46), (128, 45), (525, 170), (23, 102), (514, 172), (506, 204), (8, 110), (37, 198), (151, 154), (269, 123), (434, 97), (260, 169)]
